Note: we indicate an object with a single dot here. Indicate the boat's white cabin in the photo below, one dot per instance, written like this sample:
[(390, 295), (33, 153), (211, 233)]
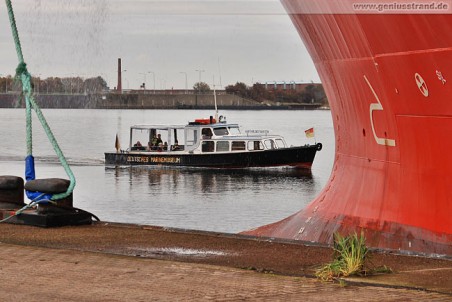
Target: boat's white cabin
[(201, 138)]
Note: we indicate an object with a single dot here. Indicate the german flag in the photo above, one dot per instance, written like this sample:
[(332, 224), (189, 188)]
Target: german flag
[(309, 133)]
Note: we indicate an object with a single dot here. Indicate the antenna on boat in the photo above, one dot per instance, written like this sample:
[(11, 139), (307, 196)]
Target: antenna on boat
[(215, 100), (219, 71)]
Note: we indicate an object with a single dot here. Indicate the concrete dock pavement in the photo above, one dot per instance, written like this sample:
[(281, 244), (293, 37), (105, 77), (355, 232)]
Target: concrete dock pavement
[(116, 262)]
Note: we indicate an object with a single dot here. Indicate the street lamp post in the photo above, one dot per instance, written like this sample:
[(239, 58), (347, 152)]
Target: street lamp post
[(144, 76), (125, 70), (186, 82), (153, 77), (163, 84), (144, 79), (198, 70)]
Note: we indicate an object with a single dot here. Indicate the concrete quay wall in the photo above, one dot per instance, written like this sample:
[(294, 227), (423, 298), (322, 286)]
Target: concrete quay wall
[(128, 101), (168, 101)]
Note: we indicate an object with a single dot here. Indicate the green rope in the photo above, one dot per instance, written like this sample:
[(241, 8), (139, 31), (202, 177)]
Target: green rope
[(12, 21), (25, 77), (33, 203), (22, 73)]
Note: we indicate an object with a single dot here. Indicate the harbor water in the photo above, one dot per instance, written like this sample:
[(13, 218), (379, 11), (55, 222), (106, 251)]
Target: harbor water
[(212, 200)]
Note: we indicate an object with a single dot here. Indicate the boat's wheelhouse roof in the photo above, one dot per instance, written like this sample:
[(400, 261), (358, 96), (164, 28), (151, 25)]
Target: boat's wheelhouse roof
[(216, 125), (157, 127), (166, 127), (247, 137)]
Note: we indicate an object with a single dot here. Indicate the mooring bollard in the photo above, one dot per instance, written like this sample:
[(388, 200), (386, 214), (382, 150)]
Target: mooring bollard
[(51, 186), (11, 191)]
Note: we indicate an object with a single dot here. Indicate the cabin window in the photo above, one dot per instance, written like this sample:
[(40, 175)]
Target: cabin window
[(206, 133), (139, 139), (208, 146), (238, 146), (220, 131), (222, 146), (269, 144), (255, 145), (192, 137), (280, 143)]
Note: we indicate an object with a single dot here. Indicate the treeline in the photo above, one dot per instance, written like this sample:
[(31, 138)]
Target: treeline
[(312, 93), (66, 85)]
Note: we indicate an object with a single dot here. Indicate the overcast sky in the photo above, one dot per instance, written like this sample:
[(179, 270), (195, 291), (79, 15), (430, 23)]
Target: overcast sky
[(235, 40)]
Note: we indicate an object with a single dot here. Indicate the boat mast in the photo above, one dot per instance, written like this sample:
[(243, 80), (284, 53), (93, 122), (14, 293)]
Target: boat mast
[(215, 100)]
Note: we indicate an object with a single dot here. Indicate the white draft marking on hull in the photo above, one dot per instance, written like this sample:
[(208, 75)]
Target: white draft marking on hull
[(373, 107)]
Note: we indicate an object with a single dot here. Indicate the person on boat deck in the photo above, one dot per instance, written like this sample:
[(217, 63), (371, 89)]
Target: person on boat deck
[(159, 140), (165, 146), (138, 146), (175, 147), (155, 142), (206, 133)]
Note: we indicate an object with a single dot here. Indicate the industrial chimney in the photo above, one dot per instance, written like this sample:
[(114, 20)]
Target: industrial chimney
[(119, 86)]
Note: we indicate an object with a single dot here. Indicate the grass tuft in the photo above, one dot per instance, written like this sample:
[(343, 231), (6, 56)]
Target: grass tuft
[(350, 253)]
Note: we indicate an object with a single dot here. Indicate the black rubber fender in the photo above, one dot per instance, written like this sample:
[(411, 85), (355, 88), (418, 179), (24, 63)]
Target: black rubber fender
[(319, 146)]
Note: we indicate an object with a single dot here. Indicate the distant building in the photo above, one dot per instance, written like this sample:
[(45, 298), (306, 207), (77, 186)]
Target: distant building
[(292, 85), (169, 91)]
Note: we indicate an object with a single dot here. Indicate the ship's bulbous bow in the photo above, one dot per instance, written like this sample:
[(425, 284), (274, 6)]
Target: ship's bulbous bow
[(388, 78)]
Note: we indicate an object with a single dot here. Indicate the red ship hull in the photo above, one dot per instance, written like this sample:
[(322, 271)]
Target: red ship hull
[(388, 78)]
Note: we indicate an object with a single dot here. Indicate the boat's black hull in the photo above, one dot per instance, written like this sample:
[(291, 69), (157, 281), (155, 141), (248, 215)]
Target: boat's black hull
[(299, 157)]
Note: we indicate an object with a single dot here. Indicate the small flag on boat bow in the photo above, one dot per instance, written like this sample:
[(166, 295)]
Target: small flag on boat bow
[(117, 145), (309, 133)]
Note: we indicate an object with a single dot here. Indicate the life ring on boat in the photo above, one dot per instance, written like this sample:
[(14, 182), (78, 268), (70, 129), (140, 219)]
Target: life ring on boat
[(319, 146)]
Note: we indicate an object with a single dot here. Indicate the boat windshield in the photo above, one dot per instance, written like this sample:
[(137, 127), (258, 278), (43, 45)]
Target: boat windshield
[(227, 130), (220, 131), (280, 143), (234, 131)]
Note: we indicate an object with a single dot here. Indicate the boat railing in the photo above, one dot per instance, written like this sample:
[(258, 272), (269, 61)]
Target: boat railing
[(171, 148), (142, 148)]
